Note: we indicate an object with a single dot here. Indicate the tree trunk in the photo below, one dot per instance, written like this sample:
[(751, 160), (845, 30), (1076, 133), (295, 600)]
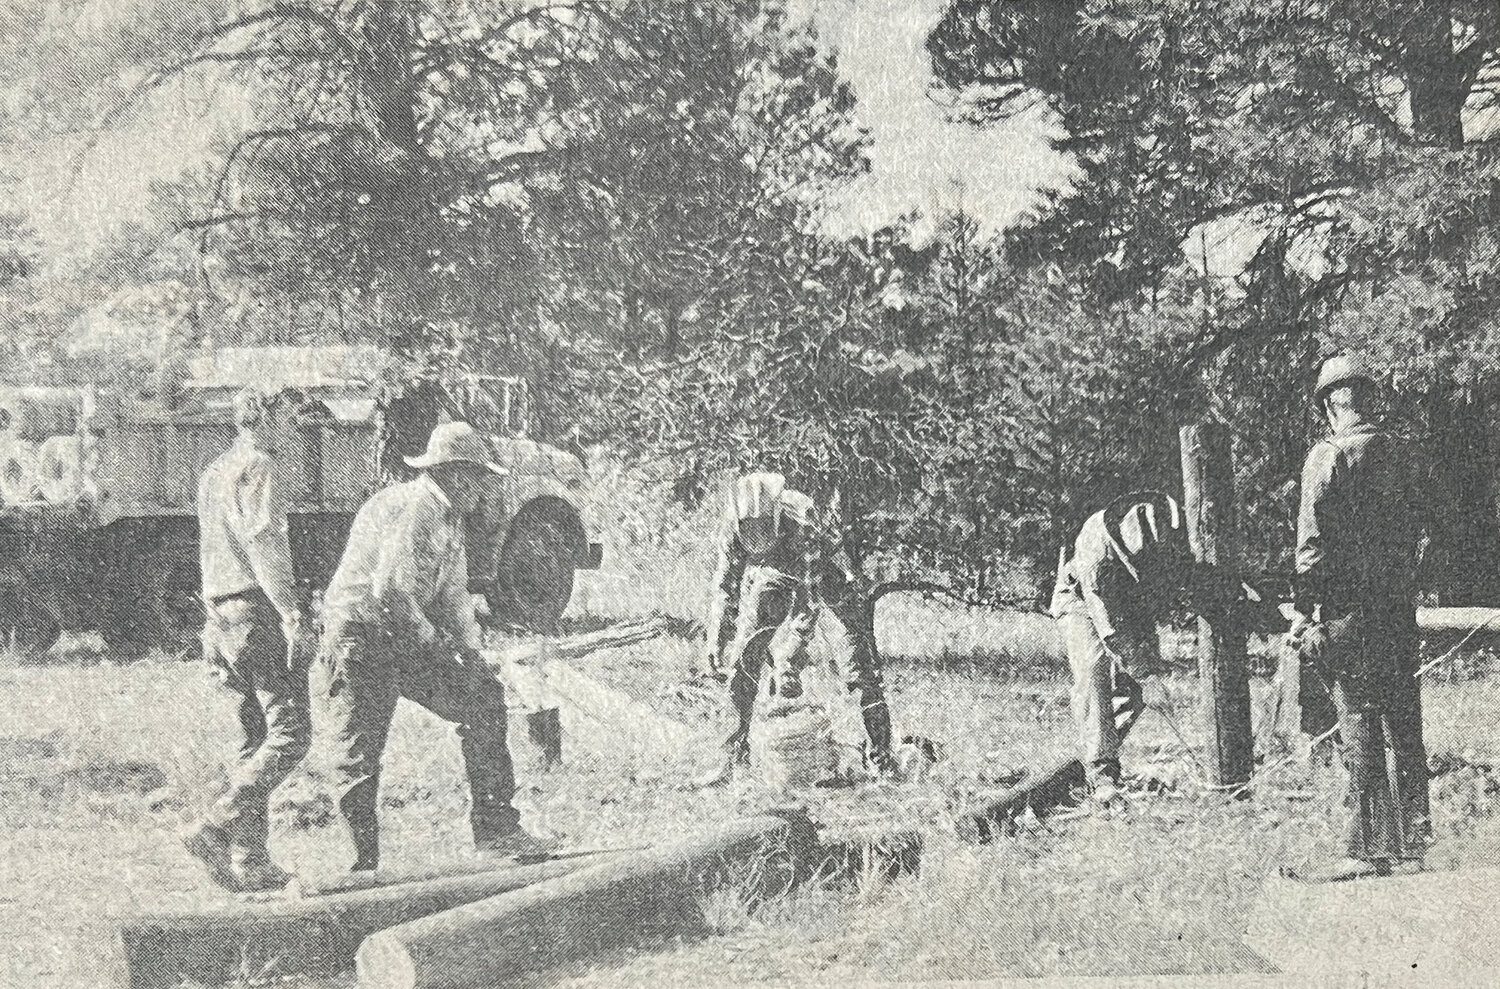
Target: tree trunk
[(1433, 78), (388, 82)]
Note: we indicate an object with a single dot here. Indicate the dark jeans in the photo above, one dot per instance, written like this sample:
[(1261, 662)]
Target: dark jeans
[(243, 640), (765, 603), (367, 670), (1372, 660)]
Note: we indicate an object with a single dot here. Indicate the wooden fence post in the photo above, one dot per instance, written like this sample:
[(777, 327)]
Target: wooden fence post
[(1209, 509)]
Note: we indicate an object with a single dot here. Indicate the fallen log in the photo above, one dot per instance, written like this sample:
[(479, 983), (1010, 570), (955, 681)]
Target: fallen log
[(596, 718), (310, 935), (353, 882), (1040, 792), (576, 646), (1484, 620), (628, 901), (1463, 620)]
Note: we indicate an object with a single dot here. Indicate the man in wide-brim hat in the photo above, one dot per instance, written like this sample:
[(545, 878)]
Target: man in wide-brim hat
[(400, 622)]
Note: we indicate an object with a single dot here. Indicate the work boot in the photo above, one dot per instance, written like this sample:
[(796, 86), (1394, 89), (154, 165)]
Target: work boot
[(515, 842), (261, 874), (210, 844), (736, 752), (1339, 871), (719, 772)]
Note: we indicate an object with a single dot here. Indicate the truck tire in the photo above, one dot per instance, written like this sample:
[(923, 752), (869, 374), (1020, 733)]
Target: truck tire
[(153, 601), (25, 624), (535, 578)]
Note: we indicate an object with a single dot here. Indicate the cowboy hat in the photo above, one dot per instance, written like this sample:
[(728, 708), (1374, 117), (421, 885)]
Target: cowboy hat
[(456, 442)]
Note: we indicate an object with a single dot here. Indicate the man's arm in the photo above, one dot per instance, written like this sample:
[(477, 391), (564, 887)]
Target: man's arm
[(455, 605), (265, 531), (1090, 553), (1312, 547), (405, 568)]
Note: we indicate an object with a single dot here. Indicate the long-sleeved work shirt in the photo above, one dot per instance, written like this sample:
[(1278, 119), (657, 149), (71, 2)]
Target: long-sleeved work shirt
[(405, 567), (815, 559), (1359, 522), (1097, 580), (243, 534)]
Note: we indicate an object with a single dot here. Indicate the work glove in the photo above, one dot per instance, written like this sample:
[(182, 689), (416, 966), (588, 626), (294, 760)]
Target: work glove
[(1309, 638)]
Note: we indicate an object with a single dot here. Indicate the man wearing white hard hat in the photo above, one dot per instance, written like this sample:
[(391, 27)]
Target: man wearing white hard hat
[(1131, 562), (399, 622), (1358, 529), (773, 573)]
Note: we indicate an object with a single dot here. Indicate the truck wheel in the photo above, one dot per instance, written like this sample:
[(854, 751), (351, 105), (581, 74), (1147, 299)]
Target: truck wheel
[(154, 606), (535, 578), (25, 624)]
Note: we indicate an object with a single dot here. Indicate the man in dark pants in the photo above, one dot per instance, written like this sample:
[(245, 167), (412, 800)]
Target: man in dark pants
[(1357, 533), (253, 638), (1131, 562), (399, 622), (773, 570)]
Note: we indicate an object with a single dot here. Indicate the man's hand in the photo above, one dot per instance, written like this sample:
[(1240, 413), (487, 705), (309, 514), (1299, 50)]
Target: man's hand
[(1307, 637), (301, 644)]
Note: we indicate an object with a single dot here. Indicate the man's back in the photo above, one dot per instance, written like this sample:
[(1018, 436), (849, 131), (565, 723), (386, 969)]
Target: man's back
[(1359, 522), (235, 506)]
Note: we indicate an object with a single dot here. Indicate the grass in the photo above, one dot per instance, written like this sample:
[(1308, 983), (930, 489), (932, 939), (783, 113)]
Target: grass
[(101, 765)]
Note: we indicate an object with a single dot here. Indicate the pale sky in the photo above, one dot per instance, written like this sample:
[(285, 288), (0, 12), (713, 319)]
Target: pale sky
[(922, 161), (923, 165)]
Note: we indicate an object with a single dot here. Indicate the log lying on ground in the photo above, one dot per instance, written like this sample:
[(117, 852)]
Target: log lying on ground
[(353, 882), (313, 935), (596, 718), (628, 901), (575, 646), (1485, 621), (1041, 792)]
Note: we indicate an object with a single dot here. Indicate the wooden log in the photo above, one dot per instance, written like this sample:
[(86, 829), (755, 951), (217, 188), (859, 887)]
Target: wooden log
[(1485, 621), (629, 901), (351, 882), (1481, 621), (599, 719), (577, 646), (1040, 792), (312, 935), (1223, 666)]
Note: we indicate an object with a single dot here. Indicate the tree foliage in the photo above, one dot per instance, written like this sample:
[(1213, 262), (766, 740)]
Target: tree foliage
[(1311, 176)]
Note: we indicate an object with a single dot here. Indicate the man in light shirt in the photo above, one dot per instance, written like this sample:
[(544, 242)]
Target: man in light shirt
[(1131, 561), (254, 626), (399, 622)]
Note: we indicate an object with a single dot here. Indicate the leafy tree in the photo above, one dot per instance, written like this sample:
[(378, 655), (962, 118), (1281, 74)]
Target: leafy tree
[(1345, 141)]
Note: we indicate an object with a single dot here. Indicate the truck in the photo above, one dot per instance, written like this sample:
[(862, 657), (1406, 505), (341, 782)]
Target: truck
[(98, 525)]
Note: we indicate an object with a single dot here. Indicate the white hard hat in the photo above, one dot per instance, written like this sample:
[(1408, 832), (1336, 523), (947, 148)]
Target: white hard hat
[(764, 495), (1141, 523)]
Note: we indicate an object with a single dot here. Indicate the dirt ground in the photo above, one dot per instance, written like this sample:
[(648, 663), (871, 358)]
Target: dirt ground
[(102, 765)]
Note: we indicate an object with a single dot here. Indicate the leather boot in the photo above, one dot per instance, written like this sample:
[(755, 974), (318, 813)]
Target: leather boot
[(358, 807)]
